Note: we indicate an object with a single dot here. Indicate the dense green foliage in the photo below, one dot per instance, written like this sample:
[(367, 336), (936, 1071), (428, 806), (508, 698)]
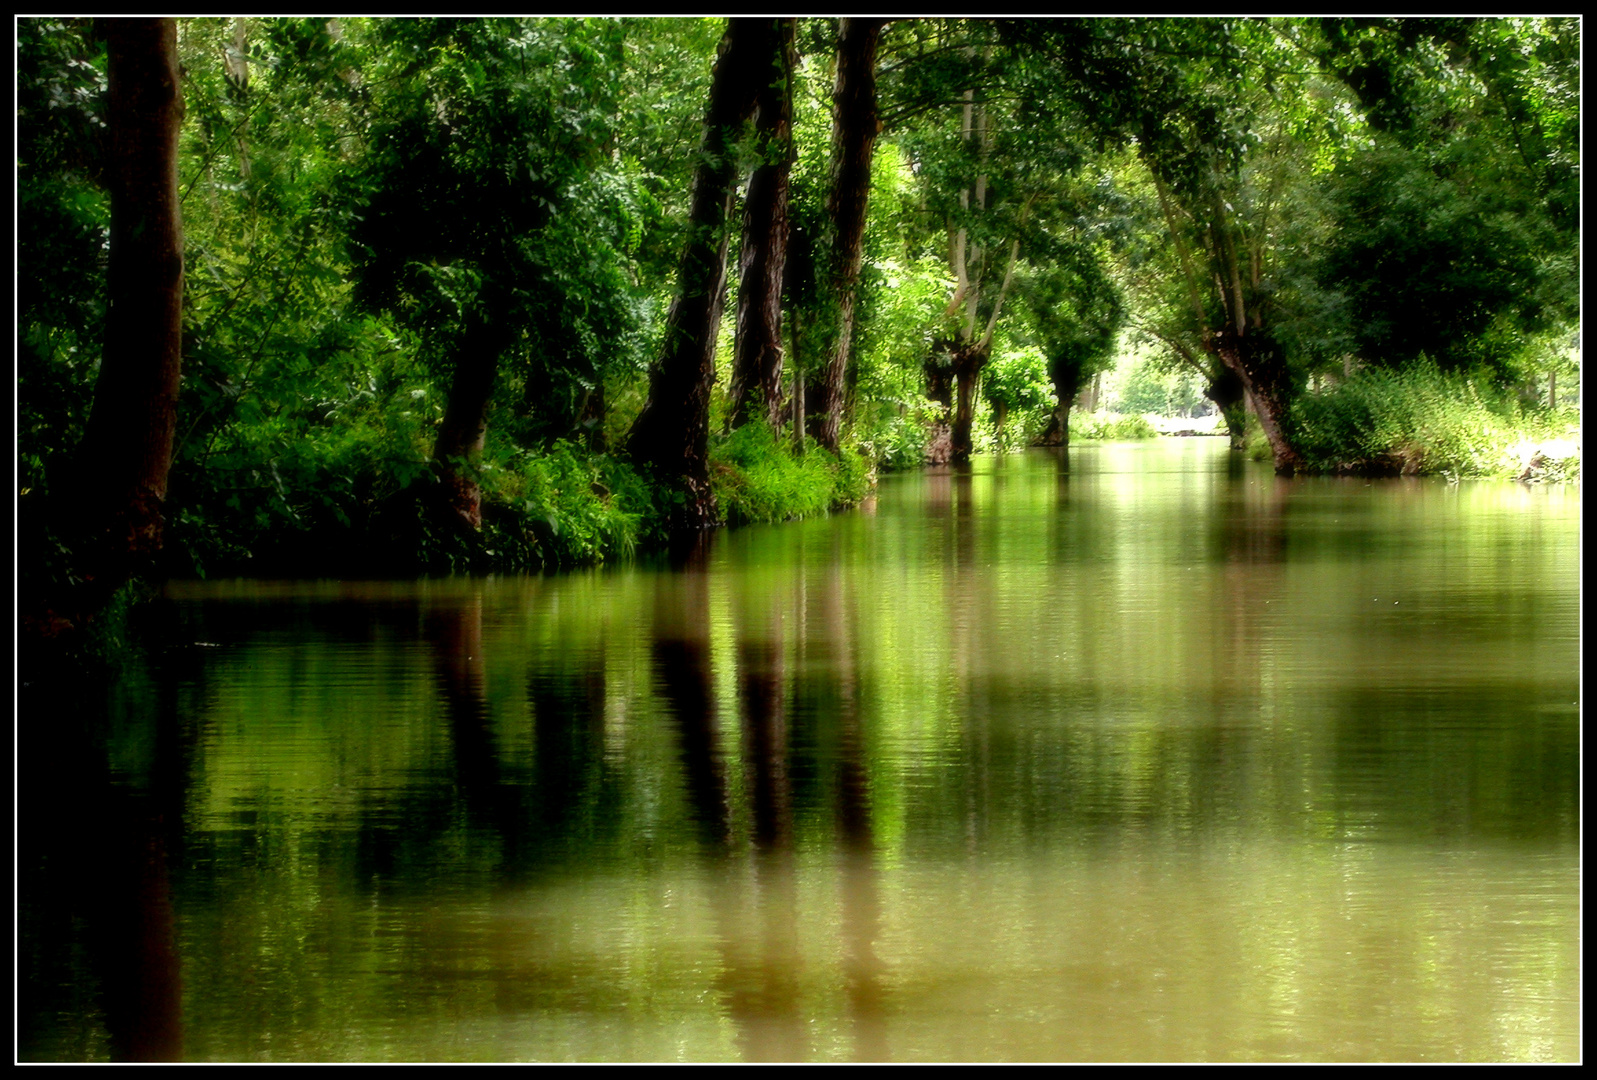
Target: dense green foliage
[(489, 196), (63, 213), (1114, 426), (375, 209), (1420, 419), (757, 478)]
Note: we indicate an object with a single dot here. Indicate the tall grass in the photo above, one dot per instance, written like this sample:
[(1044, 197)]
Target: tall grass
[(1421, 420), (757, 477)]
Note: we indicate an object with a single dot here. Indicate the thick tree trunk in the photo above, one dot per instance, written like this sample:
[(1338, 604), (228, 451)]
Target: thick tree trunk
[(465, 425), (854, 128), (968, 364), (126, 451), (672, 434), (756, 391), (940, 388), (1228, 395), (1262, 369), (1057, 433)]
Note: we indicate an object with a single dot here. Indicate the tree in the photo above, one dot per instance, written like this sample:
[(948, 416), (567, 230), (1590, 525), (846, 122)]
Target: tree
[(126, 452), (980, 289), (671, 434), (1201, 102), (1163, 301), (63, 218), (1004, 175), (490, 217), (756, 390), (854, 129), (1074, 312), (1461, 207)]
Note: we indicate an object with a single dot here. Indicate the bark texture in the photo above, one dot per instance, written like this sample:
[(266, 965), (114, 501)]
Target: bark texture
[(1057, 433), (464, 429), (1228, 395), (968, 364), (854, 128), (1258, 363), (126, 453), (672, 433), (756, 391)]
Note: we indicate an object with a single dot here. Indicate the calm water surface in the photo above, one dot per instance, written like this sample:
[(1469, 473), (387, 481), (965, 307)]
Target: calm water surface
[(1147, 755)]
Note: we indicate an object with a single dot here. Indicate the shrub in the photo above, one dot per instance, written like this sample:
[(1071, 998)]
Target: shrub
[(897, 442), (1112, 426), (757, 477), (567, 508), (1418, 419)]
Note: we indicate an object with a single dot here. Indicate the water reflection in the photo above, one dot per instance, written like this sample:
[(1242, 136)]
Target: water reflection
[(95, 869), (1127, 763), (454, 633), (861, 907), (763, 992), (681, 651)]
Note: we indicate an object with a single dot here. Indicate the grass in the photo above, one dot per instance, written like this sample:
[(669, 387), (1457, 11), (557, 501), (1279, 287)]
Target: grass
[(1418, 420), (757, 477), (1111, 426)]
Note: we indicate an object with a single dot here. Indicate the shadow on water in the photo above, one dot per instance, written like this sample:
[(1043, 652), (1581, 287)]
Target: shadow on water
[(861, 899), (828, 701), (762, 991), (753, 889), (568, 705), (454, 635), (681, 653), (97, 847)]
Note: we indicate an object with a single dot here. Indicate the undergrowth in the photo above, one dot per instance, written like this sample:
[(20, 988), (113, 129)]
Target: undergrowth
[(757, 477), (1419, 420), (1112, 426)]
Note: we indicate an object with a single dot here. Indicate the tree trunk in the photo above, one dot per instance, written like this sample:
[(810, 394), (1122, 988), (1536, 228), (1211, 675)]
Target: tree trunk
[(1262, 369), (756, 391), (940, 389), (1057, 433), (854, 128), (672, 434), (968, 363), (126, 453), (1228, 395), (465, 425), (236, 64)]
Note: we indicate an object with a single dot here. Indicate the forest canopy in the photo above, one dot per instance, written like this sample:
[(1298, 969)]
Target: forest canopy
[(470, 294)]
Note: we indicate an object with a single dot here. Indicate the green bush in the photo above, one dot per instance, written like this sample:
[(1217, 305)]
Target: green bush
[(1016, 383), (894, 441), (1112, 426), (567, 507), (1418, 419), (757, 477)]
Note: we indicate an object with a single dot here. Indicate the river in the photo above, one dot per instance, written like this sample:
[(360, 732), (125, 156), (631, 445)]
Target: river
[(1139, 754)]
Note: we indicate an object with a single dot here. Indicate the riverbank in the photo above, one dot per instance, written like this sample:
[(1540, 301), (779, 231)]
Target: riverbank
[(1421, 421)]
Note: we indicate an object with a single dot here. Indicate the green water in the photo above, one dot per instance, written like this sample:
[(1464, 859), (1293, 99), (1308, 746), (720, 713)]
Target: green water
[(1151, 756)]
